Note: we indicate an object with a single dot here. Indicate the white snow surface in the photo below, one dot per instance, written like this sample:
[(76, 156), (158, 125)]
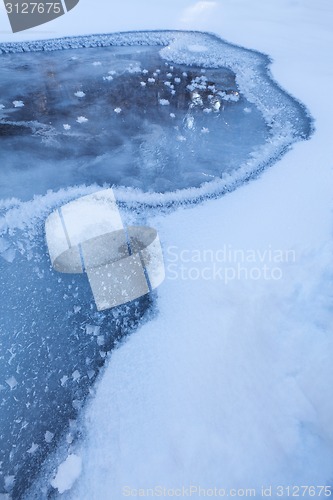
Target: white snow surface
[(230, 385)]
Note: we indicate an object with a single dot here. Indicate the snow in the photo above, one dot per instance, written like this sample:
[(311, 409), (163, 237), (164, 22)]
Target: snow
[(68, 472), (229, 384)]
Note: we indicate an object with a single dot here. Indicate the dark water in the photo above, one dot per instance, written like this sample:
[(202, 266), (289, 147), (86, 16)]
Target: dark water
[(212, 128)]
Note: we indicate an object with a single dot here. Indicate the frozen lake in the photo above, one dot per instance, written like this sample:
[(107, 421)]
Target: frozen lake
[(131, 116)]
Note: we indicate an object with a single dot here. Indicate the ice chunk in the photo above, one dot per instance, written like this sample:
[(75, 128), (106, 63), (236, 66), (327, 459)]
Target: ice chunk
[(93, 330), (79, 93), (63, 380), (101, 340), (76, 375), (12, 382), (68, 472), (49, 436), (18, 104), (33, 448), (9, 482)]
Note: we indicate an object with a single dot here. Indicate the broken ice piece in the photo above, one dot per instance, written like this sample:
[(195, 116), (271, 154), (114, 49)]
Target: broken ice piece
[(92, 329), (63, 380), (108, 78), (67, 126), (9, 482), (2, 106), (117, 110), (164, 102), (205, 130), (79, 93), (97, 63), (34, 447), (18, 104), (100, 340), (49, 436), (12, 382), (76, 403), (76, 375), (172, 115), (143, 84), (151, 80)]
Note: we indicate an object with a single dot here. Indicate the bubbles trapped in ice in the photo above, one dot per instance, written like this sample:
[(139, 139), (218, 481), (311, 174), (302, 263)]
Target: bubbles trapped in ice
[(197, 116)]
